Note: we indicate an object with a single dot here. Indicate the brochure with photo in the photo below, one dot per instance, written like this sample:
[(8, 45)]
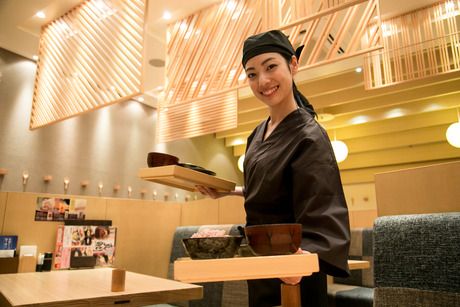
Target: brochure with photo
[(80, 246), (8, 246), (59, 209)]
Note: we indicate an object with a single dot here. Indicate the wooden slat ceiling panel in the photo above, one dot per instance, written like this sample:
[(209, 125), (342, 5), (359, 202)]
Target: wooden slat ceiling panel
[(89, 58), (416, 45), (204, 49)]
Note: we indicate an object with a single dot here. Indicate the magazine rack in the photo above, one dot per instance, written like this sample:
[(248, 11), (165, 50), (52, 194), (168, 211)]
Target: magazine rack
[(184, 178)]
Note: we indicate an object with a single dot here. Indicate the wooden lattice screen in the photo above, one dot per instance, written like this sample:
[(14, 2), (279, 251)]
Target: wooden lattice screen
[(204, 53), (416, 45), (89, 58)]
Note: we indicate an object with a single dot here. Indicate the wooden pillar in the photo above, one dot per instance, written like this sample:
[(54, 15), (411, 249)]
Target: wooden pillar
[(290, 295)]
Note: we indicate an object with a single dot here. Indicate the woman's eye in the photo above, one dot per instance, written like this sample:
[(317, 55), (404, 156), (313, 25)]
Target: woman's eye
[(251, 75), (271, 66)]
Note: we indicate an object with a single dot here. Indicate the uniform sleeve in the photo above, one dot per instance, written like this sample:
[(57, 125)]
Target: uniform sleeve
[(319, 204)]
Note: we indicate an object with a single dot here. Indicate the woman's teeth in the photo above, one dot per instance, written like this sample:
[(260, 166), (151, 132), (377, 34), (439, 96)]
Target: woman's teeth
[(270, 91)]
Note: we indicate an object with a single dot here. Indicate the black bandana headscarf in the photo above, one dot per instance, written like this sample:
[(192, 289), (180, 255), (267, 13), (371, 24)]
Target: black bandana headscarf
[(271, 41)]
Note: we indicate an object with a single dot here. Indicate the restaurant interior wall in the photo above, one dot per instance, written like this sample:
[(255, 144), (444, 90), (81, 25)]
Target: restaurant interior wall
[(106, 146)]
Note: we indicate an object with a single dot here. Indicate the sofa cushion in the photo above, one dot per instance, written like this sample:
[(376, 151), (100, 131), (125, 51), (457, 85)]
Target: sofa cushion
[(340, 295), (418, 251), (390, 297)]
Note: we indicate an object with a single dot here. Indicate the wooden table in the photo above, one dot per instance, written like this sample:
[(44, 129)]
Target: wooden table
[(358, 264), (90, 287)]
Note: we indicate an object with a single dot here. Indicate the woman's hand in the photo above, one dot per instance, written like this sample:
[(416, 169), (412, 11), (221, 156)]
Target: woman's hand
[(294, 280), (213, 193)]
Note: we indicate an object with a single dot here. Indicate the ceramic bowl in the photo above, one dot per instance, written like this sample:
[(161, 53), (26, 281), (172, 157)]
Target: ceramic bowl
[(212, 247), (155, 159), (274, 239)]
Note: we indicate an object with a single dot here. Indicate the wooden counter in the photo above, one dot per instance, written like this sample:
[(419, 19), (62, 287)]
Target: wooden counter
[(184, 178)]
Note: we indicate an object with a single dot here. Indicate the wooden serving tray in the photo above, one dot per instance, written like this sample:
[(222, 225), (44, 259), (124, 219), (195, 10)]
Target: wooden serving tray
[(184, 178), (243, 268)]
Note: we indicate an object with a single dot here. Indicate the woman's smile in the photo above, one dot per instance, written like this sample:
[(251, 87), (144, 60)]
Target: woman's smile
[(270, 91)]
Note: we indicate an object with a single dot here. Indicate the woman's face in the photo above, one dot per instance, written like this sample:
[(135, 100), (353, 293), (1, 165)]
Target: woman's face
[(270, 78)]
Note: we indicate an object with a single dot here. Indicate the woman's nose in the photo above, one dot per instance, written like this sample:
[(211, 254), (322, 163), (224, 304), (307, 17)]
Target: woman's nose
[(263, 79)]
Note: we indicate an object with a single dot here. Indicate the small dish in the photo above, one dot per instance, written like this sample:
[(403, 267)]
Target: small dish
[(197, 168)]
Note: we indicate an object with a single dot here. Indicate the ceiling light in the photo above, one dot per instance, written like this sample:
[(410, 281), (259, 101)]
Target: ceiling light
[(167, 15), (397, 112), (35, 57), (358, 69), (360, 119), (40, 14), (453, 133), (140, 99), (231, 5)]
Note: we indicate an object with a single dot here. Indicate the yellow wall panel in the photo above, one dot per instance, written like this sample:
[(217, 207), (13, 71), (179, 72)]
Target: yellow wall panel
[(3, 197), (231, 210), (200, 212), (427, 152), (362, 218), (426, 189), (144, 234)]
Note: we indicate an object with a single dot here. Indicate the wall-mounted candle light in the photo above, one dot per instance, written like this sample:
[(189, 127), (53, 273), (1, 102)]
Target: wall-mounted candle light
[(154, 194), (84, 183), (100, 186), (130, 191), (25, 177), (66, 184), (176, 196)]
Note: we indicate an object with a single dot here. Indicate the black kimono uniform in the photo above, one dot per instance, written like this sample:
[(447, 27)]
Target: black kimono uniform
[(293, 177)]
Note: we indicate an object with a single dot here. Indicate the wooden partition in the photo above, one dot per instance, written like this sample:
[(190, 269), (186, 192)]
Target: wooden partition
[(428, 189), (3, 196), (145, 228), (144, 234)]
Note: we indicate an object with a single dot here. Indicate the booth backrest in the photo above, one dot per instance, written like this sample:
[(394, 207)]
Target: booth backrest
[(357, 289), (224, 294), (417, 260), (360, 249)]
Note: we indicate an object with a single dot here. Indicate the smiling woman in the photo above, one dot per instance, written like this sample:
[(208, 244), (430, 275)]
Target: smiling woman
[(290, 173)]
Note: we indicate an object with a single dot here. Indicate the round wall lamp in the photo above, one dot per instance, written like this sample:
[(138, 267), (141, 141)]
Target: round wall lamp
[(340, 150), (240, 163), (453, 133)]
